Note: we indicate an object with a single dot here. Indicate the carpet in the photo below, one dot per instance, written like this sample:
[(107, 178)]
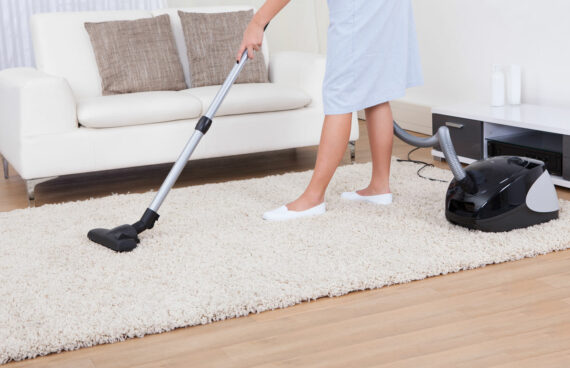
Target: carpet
[(212, 257)]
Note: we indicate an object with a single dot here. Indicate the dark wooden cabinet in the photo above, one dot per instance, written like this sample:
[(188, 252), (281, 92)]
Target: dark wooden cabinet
[(467, 135)]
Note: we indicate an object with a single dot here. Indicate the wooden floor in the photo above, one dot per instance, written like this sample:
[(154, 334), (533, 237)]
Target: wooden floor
[(509, 315)]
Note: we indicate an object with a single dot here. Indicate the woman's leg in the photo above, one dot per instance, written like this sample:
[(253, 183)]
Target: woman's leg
[(334, 140), (379, 122)]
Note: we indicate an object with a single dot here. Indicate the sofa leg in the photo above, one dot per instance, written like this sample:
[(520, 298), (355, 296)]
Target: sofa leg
[(31, 189), (6, 168), (352, 148)]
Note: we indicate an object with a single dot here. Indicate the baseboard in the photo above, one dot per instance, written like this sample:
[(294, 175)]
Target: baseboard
[(413, 117)]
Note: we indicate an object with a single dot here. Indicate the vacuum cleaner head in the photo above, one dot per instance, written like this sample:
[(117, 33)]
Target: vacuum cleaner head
[(123, 238), (511, 193)]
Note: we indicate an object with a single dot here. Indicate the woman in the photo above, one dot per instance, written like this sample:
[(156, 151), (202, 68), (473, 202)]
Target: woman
[(372, 57)]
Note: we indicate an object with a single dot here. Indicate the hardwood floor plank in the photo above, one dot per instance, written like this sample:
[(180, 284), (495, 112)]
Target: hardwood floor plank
[(558, 359)]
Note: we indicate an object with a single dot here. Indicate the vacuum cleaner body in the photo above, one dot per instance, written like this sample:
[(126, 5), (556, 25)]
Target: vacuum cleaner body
[(510, 193), (498, 194)]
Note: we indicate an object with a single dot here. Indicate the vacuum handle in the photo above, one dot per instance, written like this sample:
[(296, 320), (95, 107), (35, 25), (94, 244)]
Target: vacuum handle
[(234, 73), (230, 80)]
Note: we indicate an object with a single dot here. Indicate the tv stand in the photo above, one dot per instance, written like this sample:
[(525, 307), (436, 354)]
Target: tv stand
[(543, 131)]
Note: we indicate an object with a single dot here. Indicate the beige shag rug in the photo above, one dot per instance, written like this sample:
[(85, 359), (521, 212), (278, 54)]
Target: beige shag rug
[(212, 257)]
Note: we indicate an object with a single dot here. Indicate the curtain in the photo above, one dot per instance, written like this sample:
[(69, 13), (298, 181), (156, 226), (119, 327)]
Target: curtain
[(15, 39)]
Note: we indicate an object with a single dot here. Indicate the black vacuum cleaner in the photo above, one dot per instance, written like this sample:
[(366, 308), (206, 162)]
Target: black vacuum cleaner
[(499, 194), (511, 192), (495, 195)]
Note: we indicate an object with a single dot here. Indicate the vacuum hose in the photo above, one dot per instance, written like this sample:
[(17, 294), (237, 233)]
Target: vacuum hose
[(443, 138)]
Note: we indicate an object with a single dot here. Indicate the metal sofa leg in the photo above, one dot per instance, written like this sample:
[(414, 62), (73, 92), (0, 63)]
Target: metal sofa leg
[(6, 168), (31, 189), (352, 148)]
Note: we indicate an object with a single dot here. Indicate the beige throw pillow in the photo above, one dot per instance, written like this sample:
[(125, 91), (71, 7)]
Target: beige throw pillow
[(212, 40), (136, 55)]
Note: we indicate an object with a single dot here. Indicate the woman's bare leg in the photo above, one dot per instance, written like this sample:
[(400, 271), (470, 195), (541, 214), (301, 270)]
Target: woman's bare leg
[(379, 122), (334, 140)]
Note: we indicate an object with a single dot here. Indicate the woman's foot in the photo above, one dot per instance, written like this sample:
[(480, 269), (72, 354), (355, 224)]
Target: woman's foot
[(305, 201), (283, 213), (305, 206), (370, 195), (373, 191)]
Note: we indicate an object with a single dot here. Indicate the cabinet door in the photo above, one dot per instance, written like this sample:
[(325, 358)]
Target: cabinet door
[(466, 134)]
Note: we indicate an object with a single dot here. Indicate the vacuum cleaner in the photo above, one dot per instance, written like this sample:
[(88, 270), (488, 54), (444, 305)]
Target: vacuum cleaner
[(499, 194)]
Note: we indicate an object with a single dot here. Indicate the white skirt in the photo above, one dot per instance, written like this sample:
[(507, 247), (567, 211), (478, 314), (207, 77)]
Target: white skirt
[(372, 54)]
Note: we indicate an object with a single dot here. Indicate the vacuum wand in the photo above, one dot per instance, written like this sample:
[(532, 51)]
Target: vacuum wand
[(201, 129)]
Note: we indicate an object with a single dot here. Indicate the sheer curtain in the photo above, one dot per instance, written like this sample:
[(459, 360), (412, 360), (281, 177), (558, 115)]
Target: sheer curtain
[(15, 41)]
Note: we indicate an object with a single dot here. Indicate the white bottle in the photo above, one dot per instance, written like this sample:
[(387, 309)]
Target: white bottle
[(498, 87), (515, 85)]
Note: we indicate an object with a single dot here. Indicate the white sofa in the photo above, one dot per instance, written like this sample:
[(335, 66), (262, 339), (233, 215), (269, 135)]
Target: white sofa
[(54, 120)]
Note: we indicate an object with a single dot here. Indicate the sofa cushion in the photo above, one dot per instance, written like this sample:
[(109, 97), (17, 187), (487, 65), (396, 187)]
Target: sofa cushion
[(137, 108), (252, 97), (212, 40), (136, 55), (176, 25)]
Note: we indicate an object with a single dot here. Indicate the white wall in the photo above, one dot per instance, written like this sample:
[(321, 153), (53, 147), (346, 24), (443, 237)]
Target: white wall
[(461, 39)]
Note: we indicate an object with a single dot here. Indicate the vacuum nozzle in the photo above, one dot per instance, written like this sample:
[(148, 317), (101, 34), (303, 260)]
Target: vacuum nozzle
[(124, 238)]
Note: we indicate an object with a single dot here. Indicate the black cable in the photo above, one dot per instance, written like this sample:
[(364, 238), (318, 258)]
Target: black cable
[(425, 165)]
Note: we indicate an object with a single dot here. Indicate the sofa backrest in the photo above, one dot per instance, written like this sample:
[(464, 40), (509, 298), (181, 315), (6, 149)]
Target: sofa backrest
[(62, 46)]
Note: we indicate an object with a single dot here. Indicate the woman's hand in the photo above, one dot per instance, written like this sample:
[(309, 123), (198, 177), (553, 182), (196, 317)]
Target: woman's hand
[(252, 39)]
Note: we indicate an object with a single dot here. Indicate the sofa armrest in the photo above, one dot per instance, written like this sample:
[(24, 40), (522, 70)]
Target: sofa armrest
[(300, 69), (34, 103)]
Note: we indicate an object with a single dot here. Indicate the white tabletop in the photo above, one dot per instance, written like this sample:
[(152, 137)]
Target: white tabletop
[(543, 118)]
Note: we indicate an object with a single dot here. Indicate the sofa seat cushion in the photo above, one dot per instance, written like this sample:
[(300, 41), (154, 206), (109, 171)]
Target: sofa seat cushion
[(250, 98), (137, 108)]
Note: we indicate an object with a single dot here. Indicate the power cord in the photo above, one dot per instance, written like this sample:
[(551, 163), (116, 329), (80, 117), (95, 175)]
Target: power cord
[(425, 165)]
